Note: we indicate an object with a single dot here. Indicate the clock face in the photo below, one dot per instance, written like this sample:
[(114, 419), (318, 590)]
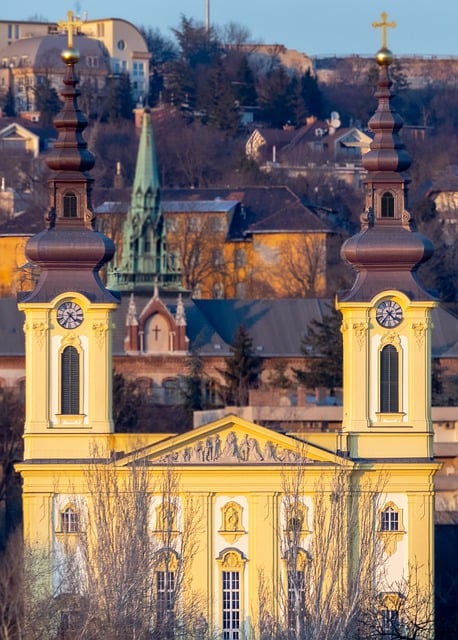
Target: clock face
[(69, 315), (389, 313)]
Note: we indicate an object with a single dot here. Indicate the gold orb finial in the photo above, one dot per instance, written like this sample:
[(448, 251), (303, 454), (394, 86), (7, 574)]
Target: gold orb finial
[(70, 56), (384, 57)]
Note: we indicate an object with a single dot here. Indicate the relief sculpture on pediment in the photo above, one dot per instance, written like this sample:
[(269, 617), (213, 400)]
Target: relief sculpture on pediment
[(239, 449)]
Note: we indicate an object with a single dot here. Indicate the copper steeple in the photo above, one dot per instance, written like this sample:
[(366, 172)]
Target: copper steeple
[(69, 251), (388, 250)]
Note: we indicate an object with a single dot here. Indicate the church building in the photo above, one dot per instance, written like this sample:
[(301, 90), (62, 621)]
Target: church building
[(230, 530)]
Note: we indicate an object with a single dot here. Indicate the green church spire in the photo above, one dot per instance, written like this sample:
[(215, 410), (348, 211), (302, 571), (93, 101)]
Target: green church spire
[(144, 256)]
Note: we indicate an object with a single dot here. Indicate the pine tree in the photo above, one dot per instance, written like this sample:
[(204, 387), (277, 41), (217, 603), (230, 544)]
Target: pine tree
[(47, 102), (193, 383), (8, 104), (243, 369), (322, 348)]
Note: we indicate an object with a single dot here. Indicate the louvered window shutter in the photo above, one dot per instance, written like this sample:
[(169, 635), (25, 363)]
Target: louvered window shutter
[(70, 396), (389, 380)]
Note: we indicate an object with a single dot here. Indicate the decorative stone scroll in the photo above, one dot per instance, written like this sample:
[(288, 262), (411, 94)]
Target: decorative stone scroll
[(360, 331), (247, 449), (419, 329), (39, 333), (99, 329), (391, 338)]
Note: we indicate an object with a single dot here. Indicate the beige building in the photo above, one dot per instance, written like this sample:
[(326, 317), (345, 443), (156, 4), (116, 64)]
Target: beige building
[(29, 53)]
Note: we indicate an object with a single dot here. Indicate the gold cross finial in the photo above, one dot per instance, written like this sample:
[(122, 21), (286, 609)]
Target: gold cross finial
[(384, 25), (71, 27)]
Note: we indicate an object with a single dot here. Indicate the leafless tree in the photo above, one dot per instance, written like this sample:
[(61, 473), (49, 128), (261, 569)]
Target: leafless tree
[(333, 585), (119, 566)]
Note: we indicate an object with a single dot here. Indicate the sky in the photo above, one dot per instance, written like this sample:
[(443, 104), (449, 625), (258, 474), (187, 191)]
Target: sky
[(316, 27)]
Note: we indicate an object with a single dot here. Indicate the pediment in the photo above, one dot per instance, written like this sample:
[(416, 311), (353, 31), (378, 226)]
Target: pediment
[(234, 441), (16, 131)]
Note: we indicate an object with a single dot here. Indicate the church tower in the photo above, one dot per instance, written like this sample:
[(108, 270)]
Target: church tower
[(386, 329), (386, 315), (68, 314), (144, 256)]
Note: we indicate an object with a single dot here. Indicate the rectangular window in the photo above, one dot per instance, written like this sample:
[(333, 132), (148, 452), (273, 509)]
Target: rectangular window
[(10, 31), (165, 590), (389, 380), (70, 381), (389, 622), (296, 600), (231, 605), (389, 520)]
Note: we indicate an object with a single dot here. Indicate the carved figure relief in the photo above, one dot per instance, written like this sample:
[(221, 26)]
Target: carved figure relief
[(246, 450), (231, 522)]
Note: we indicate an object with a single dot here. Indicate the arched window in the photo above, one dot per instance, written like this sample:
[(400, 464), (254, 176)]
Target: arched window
[(389, 379), (387, 205), (70, 202), (69, 521), (231, 564), (166, 586), (70, 381), (389, 520)]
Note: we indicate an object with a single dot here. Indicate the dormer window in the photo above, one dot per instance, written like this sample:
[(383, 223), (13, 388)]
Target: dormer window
[(70, 205), (387, 205)]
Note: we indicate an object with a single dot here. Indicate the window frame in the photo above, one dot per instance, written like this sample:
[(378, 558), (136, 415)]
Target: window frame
[(231, 562), (389, 387), (69, 520), (72, 387), (387, 205)]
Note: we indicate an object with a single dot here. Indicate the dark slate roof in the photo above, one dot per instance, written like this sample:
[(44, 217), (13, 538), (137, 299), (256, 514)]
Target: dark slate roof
[(447, 181), (200, 206), (263, 209), (276, 326), (44, 52), (11, 333), (27, 223)]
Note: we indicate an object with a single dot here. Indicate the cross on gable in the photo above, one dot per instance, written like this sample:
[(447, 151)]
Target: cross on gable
[(156, 332), (70, 26), (384, 25)]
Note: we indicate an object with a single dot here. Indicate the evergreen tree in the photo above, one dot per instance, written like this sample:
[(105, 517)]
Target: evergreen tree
[(8, 104), (276, 97), (221, 105), (244, 84), (323, 351), (47, 102), (311, 95), (118, 103), (193, 383), (243, 369)]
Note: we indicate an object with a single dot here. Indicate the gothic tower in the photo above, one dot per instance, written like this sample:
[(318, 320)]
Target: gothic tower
[(144, 255)]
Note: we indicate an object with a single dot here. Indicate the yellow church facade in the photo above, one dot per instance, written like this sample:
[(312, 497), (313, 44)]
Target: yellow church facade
[(230, 530)]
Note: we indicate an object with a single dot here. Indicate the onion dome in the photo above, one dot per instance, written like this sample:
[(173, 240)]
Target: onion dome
[(69, 251), (388, 250)]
